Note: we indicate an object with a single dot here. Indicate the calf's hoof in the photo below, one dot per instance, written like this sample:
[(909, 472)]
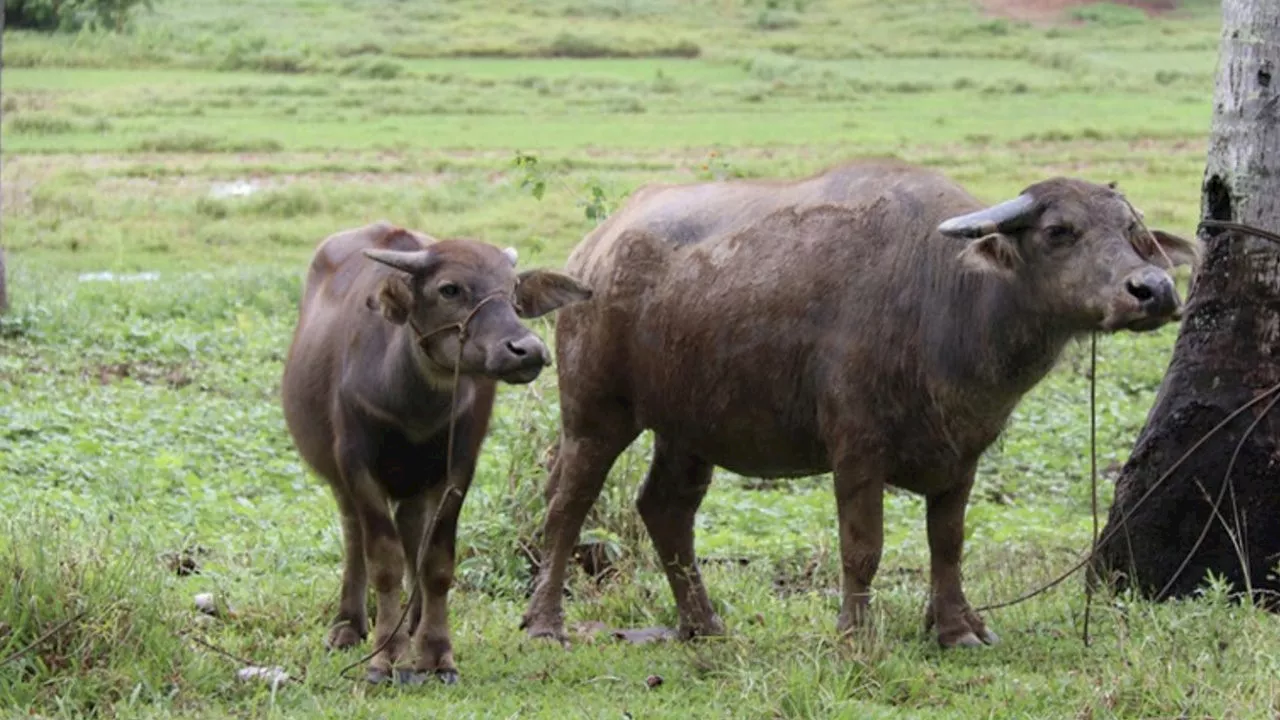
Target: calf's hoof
[(541, 630), (414, 678), (343, 635), (858, 622), (377, 676)]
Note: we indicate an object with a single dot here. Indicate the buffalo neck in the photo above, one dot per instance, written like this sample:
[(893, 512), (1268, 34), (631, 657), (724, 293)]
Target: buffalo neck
[(992, 337), (417, 389)]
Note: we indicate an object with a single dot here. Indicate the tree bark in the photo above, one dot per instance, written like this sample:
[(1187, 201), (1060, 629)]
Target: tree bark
[(1227, 354)]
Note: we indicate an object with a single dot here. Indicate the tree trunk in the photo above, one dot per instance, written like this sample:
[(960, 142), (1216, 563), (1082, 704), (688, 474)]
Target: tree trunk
[(1227, 354)]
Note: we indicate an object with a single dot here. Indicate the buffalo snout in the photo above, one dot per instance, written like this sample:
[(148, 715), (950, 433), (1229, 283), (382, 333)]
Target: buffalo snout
[(1149, 300), (519, 359)]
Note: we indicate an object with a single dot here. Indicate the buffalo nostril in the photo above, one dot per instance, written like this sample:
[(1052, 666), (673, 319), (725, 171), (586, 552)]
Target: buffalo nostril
[(516, 349), (1142, 292)]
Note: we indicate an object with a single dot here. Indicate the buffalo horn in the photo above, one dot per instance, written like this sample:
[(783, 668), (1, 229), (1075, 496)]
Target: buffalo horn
[(512, 255), (1005, 216), (410, 261)]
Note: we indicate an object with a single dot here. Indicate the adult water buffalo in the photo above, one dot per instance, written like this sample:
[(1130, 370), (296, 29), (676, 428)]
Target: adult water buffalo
[(875, 321), (387, 317)]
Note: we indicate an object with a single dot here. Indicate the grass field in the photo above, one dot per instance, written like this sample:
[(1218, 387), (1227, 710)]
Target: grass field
[(139, 414)]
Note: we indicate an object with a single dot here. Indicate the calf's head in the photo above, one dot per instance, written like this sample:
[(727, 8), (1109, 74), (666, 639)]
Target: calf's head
[(1079, 252), (463, 301)]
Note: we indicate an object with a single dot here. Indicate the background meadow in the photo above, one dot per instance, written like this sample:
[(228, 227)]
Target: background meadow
[(163, 189)]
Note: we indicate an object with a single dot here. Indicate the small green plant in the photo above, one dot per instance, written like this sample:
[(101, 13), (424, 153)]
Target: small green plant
[(715, 167), (595, 202), (533, 180)]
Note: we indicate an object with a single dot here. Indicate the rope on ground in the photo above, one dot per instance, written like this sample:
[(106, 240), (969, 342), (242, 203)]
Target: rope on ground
[(1270, 392), (44, 638)]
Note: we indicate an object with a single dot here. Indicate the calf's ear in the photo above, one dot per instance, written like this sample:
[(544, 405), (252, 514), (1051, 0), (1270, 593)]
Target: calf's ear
[(394, 300), (539, 292), (994, 253)]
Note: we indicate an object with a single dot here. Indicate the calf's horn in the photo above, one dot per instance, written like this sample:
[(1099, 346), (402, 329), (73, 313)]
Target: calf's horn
[(410, 261), (1005, 216)]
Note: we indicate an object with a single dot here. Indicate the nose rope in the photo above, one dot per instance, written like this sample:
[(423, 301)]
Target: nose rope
[(1147, 234), (463, 326)]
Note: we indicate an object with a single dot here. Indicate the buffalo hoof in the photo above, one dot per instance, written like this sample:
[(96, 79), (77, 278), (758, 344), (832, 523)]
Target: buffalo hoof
[(342, 636), (545, 631), (971, 639), (447, 677), (967, 640), (377, 676), (409, 677)]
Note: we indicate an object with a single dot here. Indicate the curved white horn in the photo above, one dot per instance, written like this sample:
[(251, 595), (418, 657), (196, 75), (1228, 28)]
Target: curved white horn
[(512, 255), (1004, 216), (410, 261)]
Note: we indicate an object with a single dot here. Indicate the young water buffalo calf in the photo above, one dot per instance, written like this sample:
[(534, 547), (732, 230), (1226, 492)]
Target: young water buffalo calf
[(875, 321), (386, 317)]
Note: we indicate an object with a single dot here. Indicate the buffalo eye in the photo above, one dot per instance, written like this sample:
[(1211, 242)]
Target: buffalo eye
[(1060, 235), (449, 291)]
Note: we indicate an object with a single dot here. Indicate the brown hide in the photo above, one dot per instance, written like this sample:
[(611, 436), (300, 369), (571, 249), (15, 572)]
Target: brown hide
[(369, 398), (793, 328)]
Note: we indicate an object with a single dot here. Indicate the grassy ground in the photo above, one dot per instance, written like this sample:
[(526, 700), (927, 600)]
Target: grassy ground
[(139, 416)]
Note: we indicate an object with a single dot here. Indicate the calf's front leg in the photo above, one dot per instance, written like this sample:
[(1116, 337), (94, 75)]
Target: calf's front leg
[(384, 557), (431, 640), (351, 625), (958, 625)]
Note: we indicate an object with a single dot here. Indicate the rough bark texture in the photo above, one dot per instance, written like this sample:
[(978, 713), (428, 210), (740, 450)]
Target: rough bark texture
[(1227, 353)]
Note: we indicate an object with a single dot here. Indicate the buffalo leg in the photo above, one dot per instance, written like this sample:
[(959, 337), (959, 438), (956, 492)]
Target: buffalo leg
[(582, 465), (859, 489), (431, 639), (384, 557), (958, 624), (411, 515), (352, 622), (667, 502)]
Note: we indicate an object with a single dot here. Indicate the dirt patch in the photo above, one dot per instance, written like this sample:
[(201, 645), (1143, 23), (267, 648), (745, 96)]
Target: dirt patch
[(1047, 11), (174, 376)]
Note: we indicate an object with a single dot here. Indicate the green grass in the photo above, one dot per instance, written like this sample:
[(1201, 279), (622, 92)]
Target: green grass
[(141, 419)]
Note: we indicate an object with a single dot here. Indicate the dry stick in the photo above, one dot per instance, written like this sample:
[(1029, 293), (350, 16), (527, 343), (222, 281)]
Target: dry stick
[(1093, 469), (220, 651), (1226, 480), (43, 638), (244, 662), (1274, 389)]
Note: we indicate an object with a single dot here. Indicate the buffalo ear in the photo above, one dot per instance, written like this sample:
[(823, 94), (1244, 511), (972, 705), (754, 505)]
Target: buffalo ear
[(1180, 251), (539, 292), (994, 253), (394, 300)]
